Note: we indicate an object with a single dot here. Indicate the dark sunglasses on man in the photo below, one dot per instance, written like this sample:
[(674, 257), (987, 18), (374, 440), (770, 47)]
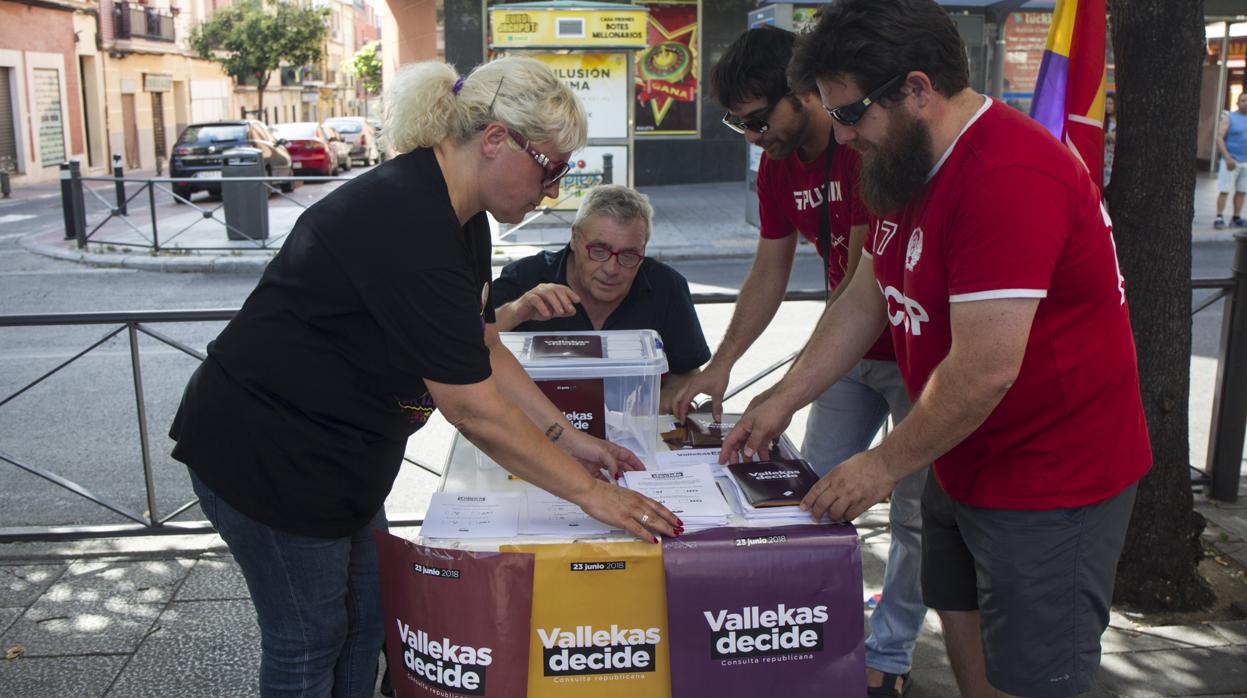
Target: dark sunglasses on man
[(755, 122), (850, 114)]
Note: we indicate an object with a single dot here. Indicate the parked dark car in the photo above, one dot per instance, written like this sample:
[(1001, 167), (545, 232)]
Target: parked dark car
[(340, 147), (311, 147), (358, 132), (198, 150)]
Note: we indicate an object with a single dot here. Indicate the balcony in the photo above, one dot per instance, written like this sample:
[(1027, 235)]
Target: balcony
[(132, 21)]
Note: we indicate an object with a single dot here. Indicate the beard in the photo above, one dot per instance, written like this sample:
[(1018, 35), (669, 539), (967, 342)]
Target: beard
[(895, 172)]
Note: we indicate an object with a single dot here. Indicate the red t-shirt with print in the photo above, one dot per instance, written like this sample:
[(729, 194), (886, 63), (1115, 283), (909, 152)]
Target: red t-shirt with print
[(791, 196), (1009, 212)]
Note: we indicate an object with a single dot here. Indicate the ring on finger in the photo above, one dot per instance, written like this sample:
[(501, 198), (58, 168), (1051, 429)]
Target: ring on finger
[(644, 518)]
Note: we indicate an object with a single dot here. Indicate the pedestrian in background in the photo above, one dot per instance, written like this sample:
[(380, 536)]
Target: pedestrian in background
[(375, 313), (1231, 174)]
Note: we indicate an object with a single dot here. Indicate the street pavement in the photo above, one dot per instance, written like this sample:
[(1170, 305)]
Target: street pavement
[(169, 615)]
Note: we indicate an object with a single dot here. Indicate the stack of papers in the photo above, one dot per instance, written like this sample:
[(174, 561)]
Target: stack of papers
[(771, 493), (472, 515), (689, 492)]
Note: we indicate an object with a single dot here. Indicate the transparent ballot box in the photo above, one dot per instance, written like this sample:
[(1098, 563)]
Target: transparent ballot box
[(606, 382)]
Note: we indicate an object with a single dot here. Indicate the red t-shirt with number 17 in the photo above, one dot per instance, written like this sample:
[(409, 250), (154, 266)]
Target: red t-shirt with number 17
[(1009, 212)]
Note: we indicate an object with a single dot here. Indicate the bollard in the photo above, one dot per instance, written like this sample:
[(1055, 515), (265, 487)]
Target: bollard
[(5, 189), (68, 200), (608, 168), (1229, 407), (118, 173)]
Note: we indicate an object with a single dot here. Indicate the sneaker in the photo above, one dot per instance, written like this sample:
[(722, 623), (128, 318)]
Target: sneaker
[(1218, 223), (1238, 221)]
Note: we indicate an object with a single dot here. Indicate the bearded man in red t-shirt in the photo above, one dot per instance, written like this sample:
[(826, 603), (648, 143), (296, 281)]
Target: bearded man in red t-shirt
[(991, 259)]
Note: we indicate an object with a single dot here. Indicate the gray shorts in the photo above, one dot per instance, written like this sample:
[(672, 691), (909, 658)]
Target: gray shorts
[(1042, 582)]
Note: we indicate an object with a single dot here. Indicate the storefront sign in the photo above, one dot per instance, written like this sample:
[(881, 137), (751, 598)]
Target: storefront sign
[(49, 116), (666, 74), (599, 624), (600, 80), (456, 622), (153, 82), (789, 622), (531, 27), (1026, 34)]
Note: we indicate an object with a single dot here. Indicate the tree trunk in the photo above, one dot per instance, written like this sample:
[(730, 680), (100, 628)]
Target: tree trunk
[(259, 91), (1159, 45)]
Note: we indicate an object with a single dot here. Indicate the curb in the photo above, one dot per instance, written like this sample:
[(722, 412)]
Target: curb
[(252, 262)]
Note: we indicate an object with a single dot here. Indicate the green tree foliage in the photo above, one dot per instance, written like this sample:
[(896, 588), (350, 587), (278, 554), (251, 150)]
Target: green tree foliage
[(252, 38), (365, 65)]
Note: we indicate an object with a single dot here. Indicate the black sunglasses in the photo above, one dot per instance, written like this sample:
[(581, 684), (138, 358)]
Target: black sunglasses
[(756, 123), (850, 114)]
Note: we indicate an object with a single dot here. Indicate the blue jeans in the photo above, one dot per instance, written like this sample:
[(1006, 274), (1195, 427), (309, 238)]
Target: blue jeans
[(842, 422), (317, 600)]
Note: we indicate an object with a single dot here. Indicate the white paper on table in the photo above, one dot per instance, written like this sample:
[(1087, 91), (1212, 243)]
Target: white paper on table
[(472, 515), (666, 460), (547, 515), (688, 491)]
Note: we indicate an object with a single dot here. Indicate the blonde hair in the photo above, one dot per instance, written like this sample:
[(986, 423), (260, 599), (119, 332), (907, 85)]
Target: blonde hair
[(616, 201), (422, 109)]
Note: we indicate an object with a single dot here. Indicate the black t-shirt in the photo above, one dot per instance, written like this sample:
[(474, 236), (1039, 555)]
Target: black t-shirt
[(659, 300), (300, 415)]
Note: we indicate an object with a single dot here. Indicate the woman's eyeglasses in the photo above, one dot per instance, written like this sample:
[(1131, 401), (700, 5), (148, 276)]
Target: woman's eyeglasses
[(755, 122), (850, 114), (601, 253), (554, 170)]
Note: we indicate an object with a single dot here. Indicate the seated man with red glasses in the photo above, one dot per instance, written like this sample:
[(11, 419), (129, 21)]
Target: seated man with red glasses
[(602, 280)]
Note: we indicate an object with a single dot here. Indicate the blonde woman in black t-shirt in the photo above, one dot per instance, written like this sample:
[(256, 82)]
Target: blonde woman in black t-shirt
[(376, 312)]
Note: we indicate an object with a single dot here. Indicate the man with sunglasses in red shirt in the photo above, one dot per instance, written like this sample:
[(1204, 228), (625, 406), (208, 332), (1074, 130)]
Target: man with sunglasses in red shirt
[(602, 280), (808, 187)]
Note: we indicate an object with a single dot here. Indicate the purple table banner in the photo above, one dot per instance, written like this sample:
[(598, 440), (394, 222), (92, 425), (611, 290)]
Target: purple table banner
[(456, 622), (765, 612)]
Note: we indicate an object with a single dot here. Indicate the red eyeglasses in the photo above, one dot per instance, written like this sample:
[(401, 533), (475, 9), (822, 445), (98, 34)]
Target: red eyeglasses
[(554, 170)]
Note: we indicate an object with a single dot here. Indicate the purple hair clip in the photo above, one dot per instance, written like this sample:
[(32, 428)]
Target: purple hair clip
[(458, 86)]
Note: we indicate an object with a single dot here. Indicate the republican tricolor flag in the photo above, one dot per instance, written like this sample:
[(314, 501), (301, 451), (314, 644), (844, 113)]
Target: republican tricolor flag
[(1069, 95)]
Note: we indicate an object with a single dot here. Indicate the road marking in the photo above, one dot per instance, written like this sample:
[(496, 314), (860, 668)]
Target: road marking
[(15, 217)]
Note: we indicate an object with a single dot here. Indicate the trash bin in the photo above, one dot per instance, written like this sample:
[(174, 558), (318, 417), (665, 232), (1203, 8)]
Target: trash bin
[(246, 203)]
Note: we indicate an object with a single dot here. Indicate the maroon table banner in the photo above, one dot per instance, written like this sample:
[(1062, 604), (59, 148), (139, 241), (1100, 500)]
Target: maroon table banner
[(765, 612), (456, 622)]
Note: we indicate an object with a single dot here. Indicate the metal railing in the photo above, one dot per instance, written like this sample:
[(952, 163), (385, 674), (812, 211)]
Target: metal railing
[(126, 190), (117, 204), (1221, 477), (134, 21)]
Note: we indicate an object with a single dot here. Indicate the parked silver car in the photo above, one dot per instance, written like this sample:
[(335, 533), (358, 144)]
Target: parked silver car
[(358, 132), (340, 147)]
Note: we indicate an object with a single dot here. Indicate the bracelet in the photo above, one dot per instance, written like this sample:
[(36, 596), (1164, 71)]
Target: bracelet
[(554, 432)]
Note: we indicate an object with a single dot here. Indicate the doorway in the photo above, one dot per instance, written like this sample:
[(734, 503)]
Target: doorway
[(130, 130)]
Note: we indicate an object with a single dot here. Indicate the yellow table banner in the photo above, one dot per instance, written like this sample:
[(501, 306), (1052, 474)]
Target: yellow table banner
[(599, 621)]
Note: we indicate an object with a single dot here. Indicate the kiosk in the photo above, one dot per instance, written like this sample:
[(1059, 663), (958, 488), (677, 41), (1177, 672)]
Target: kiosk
[(591, 46)]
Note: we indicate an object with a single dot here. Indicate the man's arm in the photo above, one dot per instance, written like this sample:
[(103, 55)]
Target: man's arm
[(988, 343), (672, 384), (759, 298), (1221, 134), (844, 333), (543, 302)]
